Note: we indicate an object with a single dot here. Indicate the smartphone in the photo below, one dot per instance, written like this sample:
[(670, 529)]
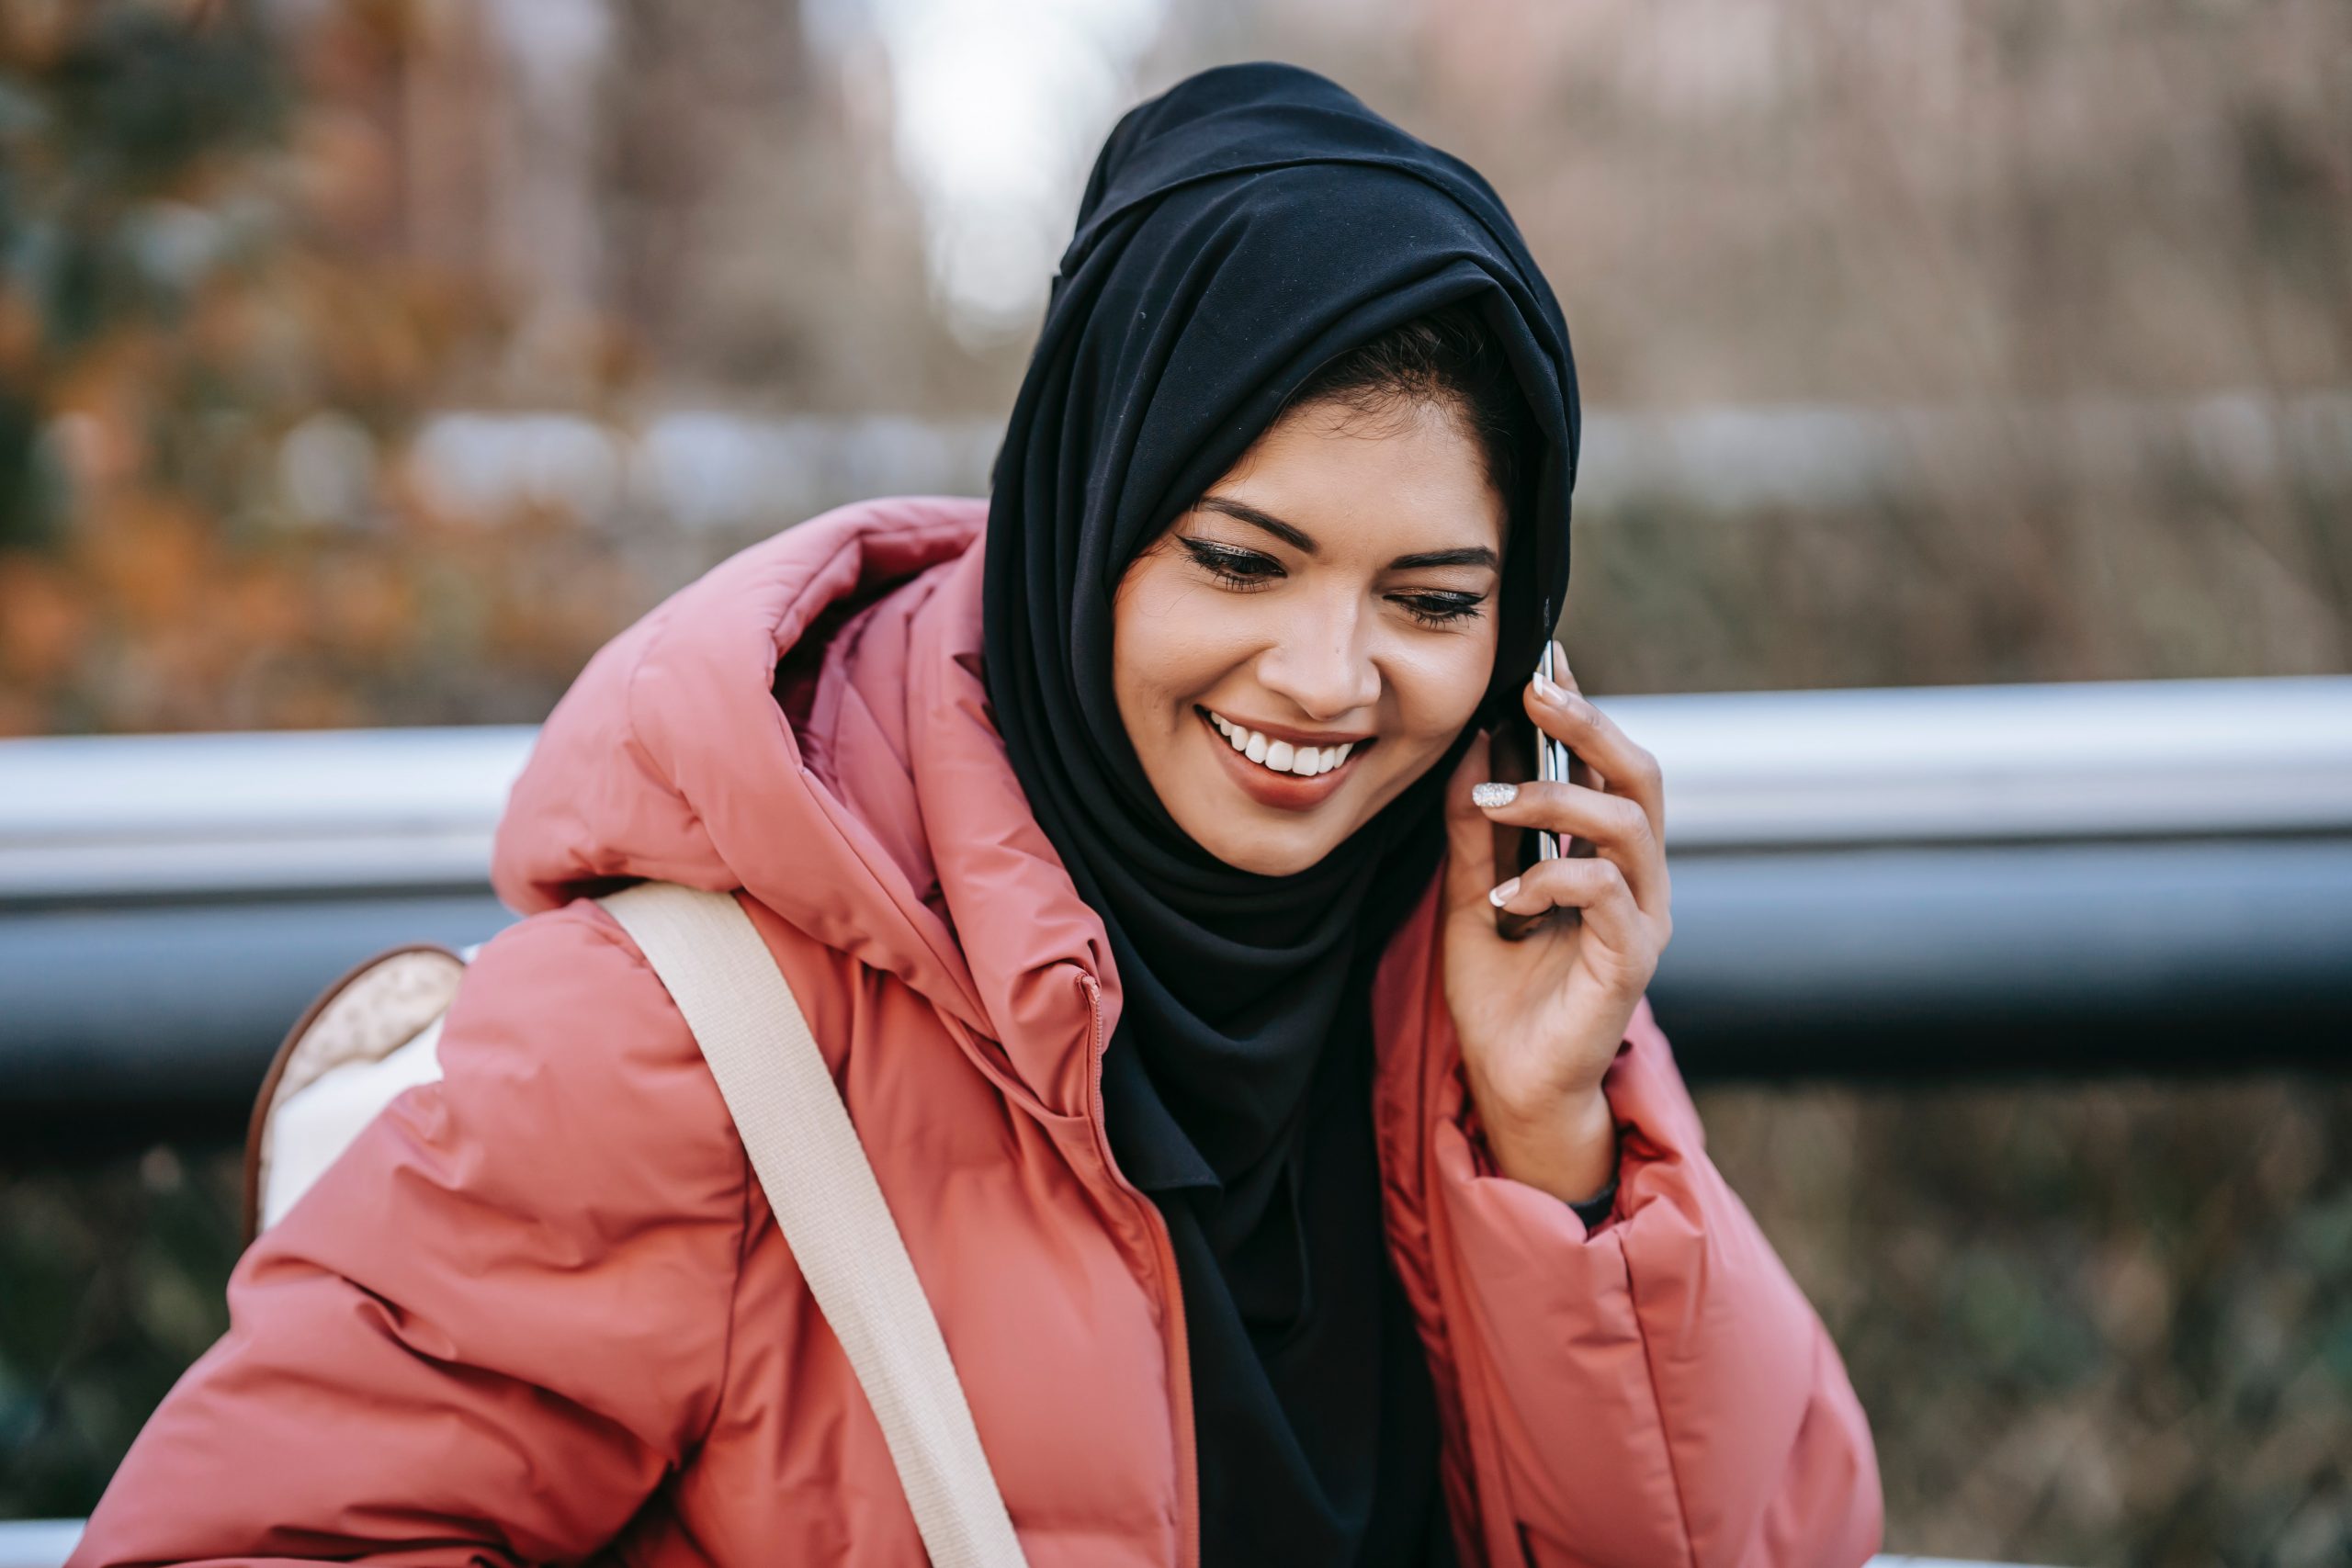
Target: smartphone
[(1550, 761)]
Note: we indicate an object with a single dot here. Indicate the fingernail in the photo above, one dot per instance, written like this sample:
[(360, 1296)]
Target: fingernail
[(1499, 896), (1492, 792), (1547, 690)]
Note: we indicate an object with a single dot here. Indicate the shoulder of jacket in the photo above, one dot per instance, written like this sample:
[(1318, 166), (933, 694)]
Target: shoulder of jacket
[(563, 1029), (582, 940)]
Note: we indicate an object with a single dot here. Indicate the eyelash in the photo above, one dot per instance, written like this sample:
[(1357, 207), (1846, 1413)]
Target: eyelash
[(1221, 562)]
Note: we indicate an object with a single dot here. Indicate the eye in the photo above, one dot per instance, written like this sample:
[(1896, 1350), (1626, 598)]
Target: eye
[(1441, 609), (1236, 569)]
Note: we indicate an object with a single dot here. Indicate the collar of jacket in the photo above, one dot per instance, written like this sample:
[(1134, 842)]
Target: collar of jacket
[(887, 823)]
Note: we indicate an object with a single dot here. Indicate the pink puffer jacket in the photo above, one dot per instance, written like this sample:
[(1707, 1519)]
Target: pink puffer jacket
[(539, 1309)]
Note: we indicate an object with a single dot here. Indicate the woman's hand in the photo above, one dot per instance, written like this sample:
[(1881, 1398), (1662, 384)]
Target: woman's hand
[(1539, 1018)]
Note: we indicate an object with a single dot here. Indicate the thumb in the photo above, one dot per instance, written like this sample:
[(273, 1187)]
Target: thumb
[(1469, 834)]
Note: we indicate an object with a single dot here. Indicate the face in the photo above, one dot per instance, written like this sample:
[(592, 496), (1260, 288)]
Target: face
[(1335, 593)]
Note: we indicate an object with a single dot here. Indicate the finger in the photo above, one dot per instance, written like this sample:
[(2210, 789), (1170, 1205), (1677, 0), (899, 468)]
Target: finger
[(1617, 829), (1583, 773), (1594, 888), (1469, 835), (1595, 737), (1560, 671)]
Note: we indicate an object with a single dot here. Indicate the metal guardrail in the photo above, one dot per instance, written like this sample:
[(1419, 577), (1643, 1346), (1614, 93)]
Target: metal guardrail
[(1914, 881), (38, 1543), (104, 820)]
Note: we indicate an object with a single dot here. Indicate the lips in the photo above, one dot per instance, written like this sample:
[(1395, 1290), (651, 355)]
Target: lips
[(1282, 790)]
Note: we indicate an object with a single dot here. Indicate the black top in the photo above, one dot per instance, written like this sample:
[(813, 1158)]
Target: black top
[(1238, 231)]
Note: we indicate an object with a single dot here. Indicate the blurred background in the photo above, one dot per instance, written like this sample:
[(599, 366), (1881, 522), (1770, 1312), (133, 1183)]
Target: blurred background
[(367, 363)]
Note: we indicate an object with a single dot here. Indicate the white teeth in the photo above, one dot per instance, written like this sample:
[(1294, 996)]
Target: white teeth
[(1282, 756)]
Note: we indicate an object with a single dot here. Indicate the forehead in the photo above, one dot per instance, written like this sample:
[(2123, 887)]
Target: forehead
[(1407, 476)]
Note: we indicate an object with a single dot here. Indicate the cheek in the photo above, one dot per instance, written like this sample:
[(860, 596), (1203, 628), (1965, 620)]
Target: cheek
[(1166, 644), (1438, 682)]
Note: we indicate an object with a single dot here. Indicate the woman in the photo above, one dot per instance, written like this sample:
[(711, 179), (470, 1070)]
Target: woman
[(1239, 1152)]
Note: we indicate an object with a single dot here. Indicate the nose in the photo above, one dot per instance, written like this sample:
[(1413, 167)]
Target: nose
[(1322, 662)]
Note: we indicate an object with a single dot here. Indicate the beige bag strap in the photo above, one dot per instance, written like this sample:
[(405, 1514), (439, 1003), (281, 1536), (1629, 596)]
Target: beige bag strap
[(818, 1181)]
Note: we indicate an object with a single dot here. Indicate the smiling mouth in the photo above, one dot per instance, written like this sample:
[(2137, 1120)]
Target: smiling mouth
[(1268, 769)]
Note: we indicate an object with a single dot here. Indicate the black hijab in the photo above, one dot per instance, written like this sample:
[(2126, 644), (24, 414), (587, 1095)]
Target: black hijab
[(1238, 231)]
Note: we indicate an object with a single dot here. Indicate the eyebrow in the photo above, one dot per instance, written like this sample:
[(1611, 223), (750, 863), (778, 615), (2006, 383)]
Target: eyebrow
[(1297, 540)]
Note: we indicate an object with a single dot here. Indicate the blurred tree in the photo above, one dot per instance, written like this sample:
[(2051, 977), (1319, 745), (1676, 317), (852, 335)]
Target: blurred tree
[(216, 330), (122, 127)]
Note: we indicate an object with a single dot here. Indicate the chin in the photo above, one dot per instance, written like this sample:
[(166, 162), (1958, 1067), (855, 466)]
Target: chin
[(1273, 854)]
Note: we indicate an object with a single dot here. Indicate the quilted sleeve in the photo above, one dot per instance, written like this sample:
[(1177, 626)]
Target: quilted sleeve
[(1657, 1390)]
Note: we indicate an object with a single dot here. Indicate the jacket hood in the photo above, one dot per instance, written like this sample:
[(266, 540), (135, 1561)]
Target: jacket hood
[(807, 721)]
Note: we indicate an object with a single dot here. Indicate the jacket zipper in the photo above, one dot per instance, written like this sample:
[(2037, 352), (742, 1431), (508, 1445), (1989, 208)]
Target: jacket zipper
[(1180, 1393)]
